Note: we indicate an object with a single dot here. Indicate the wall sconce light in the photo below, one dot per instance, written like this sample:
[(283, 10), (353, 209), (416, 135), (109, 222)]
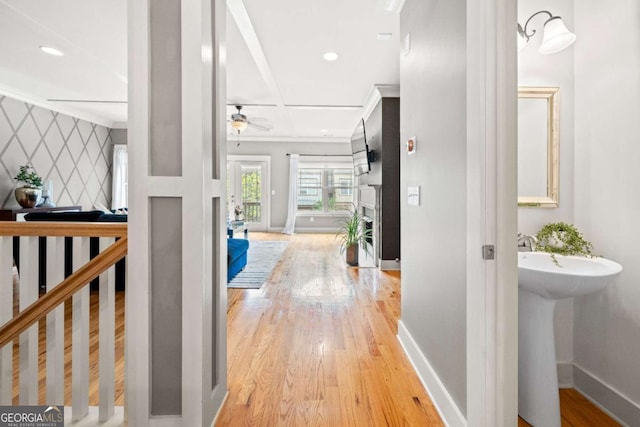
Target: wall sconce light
[(555, 38)]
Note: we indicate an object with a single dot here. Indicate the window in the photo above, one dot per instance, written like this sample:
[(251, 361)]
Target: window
[(120, 179), (325, 188)]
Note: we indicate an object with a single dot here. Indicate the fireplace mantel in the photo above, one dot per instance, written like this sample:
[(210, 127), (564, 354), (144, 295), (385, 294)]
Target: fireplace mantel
[(369, 196)]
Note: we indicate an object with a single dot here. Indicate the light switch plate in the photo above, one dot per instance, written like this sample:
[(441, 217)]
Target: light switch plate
[(413, 195), (406, 48)]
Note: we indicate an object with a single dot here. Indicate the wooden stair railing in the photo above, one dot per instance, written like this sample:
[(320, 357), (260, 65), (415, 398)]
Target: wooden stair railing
[(24, 326), (58, 295), (63, 229)]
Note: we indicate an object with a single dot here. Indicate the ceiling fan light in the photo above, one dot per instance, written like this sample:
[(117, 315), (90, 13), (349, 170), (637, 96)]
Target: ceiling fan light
[(238, 125), (556, 36)]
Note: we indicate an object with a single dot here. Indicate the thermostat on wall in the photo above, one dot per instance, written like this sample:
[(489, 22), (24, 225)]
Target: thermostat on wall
[(412, 144)]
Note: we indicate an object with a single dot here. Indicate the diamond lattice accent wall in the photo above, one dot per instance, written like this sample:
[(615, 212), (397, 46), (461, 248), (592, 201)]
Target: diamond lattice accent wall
[(75, 154)]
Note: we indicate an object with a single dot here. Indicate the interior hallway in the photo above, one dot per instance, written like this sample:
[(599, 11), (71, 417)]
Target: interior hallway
[(317, 346)]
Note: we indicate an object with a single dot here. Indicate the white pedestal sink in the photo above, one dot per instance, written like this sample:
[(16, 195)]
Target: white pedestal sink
[(541, 283)]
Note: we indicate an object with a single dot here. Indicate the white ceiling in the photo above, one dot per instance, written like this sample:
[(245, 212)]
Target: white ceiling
[(275, 66)]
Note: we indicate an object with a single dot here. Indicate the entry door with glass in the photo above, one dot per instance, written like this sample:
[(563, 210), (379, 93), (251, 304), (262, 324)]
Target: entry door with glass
[(247, 193)]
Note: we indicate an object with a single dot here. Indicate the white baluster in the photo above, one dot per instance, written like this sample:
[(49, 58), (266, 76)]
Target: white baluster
[(107, 343), (80, 336), (6, 314), (28, 339), (55, 324)]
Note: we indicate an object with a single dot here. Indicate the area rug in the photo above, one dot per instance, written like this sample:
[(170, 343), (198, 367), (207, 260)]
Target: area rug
[(262, 257)]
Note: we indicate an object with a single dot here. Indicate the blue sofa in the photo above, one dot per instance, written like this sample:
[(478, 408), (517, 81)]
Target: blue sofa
[(236, 256)]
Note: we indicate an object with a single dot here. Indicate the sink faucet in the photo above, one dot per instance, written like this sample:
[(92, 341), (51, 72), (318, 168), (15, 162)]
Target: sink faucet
[(526, 242)]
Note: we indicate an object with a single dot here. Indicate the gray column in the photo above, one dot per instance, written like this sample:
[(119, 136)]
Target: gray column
[(176, 295)]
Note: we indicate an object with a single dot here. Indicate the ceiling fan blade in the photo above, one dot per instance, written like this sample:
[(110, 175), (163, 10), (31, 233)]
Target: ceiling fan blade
[(259, 119), (260, 127)]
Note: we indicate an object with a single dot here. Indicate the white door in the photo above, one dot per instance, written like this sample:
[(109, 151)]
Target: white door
[(492, 290), (248, 192)]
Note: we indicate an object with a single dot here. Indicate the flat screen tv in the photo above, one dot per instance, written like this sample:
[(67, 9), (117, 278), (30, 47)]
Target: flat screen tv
[(360, 150)]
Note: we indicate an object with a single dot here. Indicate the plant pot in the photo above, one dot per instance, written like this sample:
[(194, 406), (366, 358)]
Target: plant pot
[(28, 196), (556, 239), (352, 255)]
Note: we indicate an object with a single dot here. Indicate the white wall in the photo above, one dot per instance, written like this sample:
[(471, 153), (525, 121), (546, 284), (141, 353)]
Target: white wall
[(607, 202), (433, 236), (556, 70), (280, 175)]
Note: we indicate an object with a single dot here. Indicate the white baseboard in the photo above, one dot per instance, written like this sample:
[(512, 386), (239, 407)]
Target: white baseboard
[(321, 230), (442, 400), (615, 404), (224, 400), (389, 264), (565, 374), (316, 230)]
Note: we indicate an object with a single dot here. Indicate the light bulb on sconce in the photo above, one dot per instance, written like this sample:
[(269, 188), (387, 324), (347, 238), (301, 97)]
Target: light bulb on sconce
[(556, 36)]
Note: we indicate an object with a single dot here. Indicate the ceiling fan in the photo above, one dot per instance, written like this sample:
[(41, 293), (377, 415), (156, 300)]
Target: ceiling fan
[(239, 122)]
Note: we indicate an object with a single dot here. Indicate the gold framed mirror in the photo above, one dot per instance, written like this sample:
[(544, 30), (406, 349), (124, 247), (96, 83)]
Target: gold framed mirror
[(538, 146)]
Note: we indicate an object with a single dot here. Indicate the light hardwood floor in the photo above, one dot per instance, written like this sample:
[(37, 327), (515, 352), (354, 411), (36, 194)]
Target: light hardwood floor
[(315, 346), (577, 411)]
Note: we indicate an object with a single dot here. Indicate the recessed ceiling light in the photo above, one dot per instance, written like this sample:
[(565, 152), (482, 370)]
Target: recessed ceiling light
[(330, 56), (51, 51), (384, 36)]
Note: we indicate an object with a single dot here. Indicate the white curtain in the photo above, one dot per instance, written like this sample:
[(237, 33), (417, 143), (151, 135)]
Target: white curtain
[(290, 225), (119, 181)]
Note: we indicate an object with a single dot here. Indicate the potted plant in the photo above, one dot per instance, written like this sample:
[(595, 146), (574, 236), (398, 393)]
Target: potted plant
[(564, 239), (28, 195), (351, 235)]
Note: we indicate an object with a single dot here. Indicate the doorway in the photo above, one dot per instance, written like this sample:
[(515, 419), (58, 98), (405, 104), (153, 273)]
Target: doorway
[(248, 182)]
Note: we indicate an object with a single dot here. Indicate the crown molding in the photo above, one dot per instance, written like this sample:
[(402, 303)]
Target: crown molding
[(69, 111), (376, 94), (120, 125)]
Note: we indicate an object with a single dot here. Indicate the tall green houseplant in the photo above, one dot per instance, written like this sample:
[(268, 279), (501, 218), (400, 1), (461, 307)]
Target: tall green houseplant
[(351, 235)]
